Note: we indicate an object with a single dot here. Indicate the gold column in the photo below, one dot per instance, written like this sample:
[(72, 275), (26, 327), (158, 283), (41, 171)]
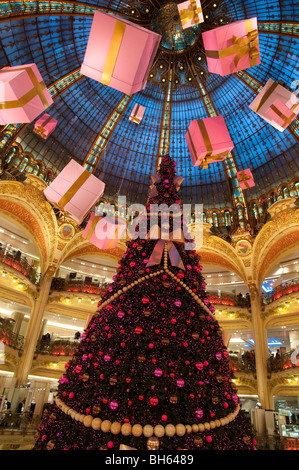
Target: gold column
[(260, 347), (34, 326)]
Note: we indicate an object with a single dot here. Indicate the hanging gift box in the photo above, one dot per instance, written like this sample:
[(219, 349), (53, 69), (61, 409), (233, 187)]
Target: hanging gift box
[(276, 105), (208, 141), (137, 113), (45, 125), (75, 190), (190, 13), (119, 53), (232, 47), (281, 114), (104, 232), (245, 179), (23, 94)]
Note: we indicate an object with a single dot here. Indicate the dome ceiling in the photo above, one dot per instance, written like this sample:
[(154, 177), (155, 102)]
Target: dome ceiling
[(93, 124)]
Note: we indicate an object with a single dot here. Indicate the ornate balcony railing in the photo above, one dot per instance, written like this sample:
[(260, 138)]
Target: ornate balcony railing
[(246, 363), (11, 339), (17, 261), (228, 299), (285, 361), (84, 286), (56, 347), (287, 287)]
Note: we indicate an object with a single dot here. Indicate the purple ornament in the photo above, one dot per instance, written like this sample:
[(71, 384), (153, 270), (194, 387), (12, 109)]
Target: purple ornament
[(180, 383), (107, 358), (113, 405), (120, 314), (218, 356), (199, 414), (177, 303), (158, 372)]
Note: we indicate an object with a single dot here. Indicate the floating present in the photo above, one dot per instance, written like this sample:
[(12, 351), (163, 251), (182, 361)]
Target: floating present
[(137, 113), (23, 94), (208, 141), (45, 125), (104, 232), (119, 53), (281, 114), (245, 179), (271, 103), (232, 47), (190, 13), (75, 190)]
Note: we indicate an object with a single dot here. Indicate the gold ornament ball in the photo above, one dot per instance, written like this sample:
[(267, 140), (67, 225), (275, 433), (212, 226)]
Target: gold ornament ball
[(87, 421), (188, 428), (201, 427), (180, 429), (153, 443), (137, 430), (96, 424), (115, 428), (173, 399), (198, 441), (113, 381), (126, 429), (159, 430), (148, 430), (96, 409), (170, 430), (212, 425), (194, 427), (246, 439), (106, 425)]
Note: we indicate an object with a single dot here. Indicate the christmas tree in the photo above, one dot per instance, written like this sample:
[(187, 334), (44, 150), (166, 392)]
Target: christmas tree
[(151, 371)]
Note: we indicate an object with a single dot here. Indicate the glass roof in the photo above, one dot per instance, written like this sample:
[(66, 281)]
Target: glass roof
[(93, 119)]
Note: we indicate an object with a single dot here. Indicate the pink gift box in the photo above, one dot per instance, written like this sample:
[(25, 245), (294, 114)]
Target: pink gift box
[(119, 53), (45, 125), (75, 190), (272, 93), (190, 13), (104, 232), (208, 141), (281, 114), (245, 179), (232, 47), (137, 113), (23, 94)]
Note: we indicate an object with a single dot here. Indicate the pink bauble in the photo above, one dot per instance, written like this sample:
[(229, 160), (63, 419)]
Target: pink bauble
[(71, 395), (199, 366), (218, 356), (151, 345), (107, 358), (164, 418), (180, 383), (145, 300), (209, 439), (177, 303), (154, 401), (199, 414), (113, 405), (121, 314), (158, 372), (110, 444)]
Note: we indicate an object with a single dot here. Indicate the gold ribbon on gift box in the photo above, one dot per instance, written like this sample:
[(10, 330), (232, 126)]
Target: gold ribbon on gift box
[(267, 95), (188, 14), (73, 189), (244, 178), (208, 157), (93, 225), (41, 129), (287, 120), (113, 51), (134, 117), (37, 89), (241, 46)]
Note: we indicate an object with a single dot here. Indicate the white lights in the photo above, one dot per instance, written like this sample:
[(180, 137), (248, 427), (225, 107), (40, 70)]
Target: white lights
[(66, 326)]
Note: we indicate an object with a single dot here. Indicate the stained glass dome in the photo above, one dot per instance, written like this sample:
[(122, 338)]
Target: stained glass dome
[(93, 119)]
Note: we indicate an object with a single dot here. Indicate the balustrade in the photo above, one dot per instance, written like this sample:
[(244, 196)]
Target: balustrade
[(19, 262), (285, 288)]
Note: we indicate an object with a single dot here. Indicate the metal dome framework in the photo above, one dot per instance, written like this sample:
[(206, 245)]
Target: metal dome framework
[(93, 126)]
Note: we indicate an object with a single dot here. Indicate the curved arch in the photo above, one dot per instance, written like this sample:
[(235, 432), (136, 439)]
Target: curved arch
[(26, 206)]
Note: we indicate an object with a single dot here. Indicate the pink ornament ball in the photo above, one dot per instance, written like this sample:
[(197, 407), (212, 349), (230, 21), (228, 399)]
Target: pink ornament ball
[(158, 372), (164, 418), (177, 303), (113, 405), (110, 445), (209, 439), (180, 383), (199, 414), (71, 395), (151, 346), (145, 300)]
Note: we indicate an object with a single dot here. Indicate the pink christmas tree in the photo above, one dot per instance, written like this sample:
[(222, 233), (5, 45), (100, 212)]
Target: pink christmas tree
[(151, 370)]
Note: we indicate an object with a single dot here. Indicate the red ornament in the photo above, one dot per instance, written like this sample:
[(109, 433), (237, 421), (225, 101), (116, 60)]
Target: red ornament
[(154, 401)]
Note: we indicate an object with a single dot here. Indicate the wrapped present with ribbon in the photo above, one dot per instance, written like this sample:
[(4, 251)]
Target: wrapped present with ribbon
[(137, 113), (75, 190), (245, 179), (232, 47), (281, 114), (119, 53), (45, 125), (104, 232), (276, 105), (190, 13), (208, 141), (23, 94), (157, 254)]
